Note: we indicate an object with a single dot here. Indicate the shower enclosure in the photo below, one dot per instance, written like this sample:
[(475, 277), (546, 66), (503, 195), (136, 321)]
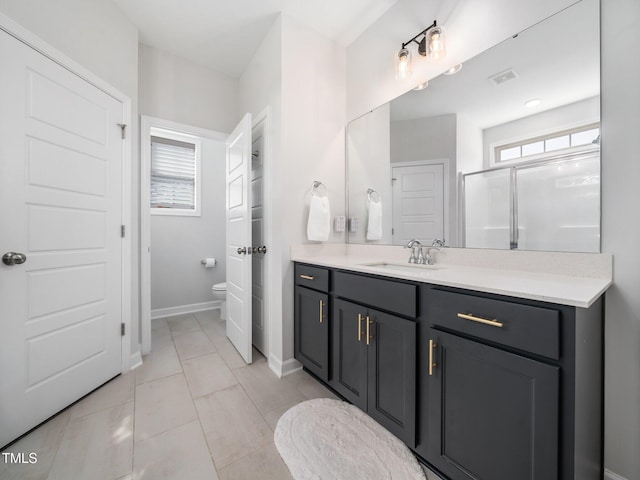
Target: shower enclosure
[(552, 205)]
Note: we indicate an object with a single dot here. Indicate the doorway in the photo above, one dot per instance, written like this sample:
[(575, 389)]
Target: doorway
[(260, 219), (420, 206)]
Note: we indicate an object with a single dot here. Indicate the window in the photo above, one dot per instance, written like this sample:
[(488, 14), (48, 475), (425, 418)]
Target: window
[(175, 173), (558, 142)]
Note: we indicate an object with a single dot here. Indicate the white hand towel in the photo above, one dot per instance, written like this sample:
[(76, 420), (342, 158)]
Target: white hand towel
[(319, 223), (374, 224)]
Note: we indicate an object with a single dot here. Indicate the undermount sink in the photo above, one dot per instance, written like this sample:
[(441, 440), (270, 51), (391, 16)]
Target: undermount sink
[(403, 267)]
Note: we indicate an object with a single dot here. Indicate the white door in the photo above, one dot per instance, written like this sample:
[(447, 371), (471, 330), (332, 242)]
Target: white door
[(238, 168), (418, 203), (257, 235), (61, 196)]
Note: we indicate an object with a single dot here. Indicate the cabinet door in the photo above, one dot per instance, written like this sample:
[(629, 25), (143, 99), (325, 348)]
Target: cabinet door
[(392, 374), (493, 415), (312, 331), (349, 360)]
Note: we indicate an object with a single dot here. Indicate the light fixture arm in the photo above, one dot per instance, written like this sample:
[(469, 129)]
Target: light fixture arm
[(424, 32)]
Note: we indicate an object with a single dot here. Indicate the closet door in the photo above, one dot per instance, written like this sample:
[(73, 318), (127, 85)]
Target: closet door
[(61, 277)]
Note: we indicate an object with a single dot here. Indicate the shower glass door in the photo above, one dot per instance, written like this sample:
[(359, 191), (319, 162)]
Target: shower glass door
[(487, 209), (552, 205), (558, 205)]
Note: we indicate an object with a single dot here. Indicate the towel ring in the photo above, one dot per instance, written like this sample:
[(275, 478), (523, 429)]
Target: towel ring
[(373, 195), (319, 189)]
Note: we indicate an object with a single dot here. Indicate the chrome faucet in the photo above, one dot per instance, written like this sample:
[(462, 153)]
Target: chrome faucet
[(435, 245), (429, 258), (415, 245)]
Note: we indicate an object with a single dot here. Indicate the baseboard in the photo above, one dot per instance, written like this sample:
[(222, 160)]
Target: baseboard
[(609, 475), (136, 359), (184, 309), (282, 369)]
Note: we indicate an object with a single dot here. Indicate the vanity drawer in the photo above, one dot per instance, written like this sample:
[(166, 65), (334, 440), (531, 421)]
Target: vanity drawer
[(388, 295), (525, 327), (312, 277)]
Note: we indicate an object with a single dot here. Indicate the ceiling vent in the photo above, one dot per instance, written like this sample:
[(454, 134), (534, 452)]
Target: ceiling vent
[(503, 77)]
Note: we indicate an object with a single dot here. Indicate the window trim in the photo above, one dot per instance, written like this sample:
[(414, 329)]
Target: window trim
[(497, 147), (186, 138)]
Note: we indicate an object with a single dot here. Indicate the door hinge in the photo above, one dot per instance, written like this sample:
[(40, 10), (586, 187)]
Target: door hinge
[(121, 231), (123, 128), (122, 329)]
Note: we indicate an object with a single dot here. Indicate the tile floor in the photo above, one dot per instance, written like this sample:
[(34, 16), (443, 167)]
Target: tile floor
[(193, 410)]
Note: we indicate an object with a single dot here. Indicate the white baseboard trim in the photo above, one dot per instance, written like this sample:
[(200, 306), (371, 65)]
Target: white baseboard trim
[(136, 359), (609, 475), (184, 309), (282, 369)]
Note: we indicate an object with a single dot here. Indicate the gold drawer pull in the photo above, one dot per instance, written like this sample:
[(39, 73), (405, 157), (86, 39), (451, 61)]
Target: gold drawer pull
[(369, 322), (322, 316), (473, 318), (307, 277), (432, 346), (359, 327)]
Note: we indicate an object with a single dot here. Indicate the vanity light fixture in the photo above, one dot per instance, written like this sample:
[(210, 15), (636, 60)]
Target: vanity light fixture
[(431, 45), (421, 86)]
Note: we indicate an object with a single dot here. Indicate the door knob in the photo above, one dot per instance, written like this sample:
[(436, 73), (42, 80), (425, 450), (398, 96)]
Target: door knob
[(242, 251), (262, 249), (12, 258)]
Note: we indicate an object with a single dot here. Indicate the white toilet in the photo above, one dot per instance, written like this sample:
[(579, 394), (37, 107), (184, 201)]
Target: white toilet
[(219, 291)]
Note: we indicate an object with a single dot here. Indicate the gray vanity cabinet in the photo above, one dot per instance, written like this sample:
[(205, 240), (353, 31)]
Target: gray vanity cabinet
[(492, 414), (481, 386), (509, 388), (374, 353), (311, 318)]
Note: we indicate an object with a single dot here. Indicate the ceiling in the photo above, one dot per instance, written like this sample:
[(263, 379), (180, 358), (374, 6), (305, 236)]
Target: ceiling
[(224, 34)]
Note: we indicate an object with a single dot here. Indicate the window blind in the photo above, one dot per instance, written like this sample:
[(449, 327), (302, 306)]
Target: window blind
[(173, 174)]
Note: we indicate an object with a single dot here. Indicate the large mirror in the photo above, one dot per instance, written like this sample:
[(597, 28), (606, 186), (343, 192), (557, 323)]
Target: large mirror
[(505, 153)]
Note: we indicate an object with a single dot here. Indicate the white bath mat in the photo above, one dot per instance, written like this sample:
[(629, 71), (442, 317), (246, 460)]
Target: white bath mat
[(326, 439)]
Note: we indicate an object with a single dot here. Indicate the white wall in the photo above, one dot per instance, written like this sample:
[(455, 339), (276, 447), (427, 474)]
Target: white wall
[(369, 157), (176, 89), (313, 147), (98, 36), (430, 138), (620, 36), (469, 144), (179, 243)]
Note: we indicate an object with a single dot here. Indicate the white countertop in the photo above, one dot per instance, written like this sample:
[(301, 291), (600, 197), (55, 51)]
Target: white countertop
[(588, 278)]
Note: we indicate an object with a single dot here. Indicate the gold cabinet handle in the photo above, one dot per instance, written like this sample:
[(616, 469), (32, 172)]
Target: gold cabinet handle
[(473, 318), (359, 327), (369, 322), (307, 277), (322, 316), (432, 346)]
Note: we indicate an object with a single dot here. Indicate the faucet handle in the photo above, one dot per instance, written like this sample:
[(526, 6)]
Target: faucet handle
[(437, 243)]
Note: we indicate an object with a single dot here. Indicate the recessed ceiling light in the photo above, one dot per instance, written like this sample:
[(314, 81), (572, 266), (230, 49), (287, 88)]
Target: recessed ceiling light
[(422, 86), (534, 102), (454, 69)]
